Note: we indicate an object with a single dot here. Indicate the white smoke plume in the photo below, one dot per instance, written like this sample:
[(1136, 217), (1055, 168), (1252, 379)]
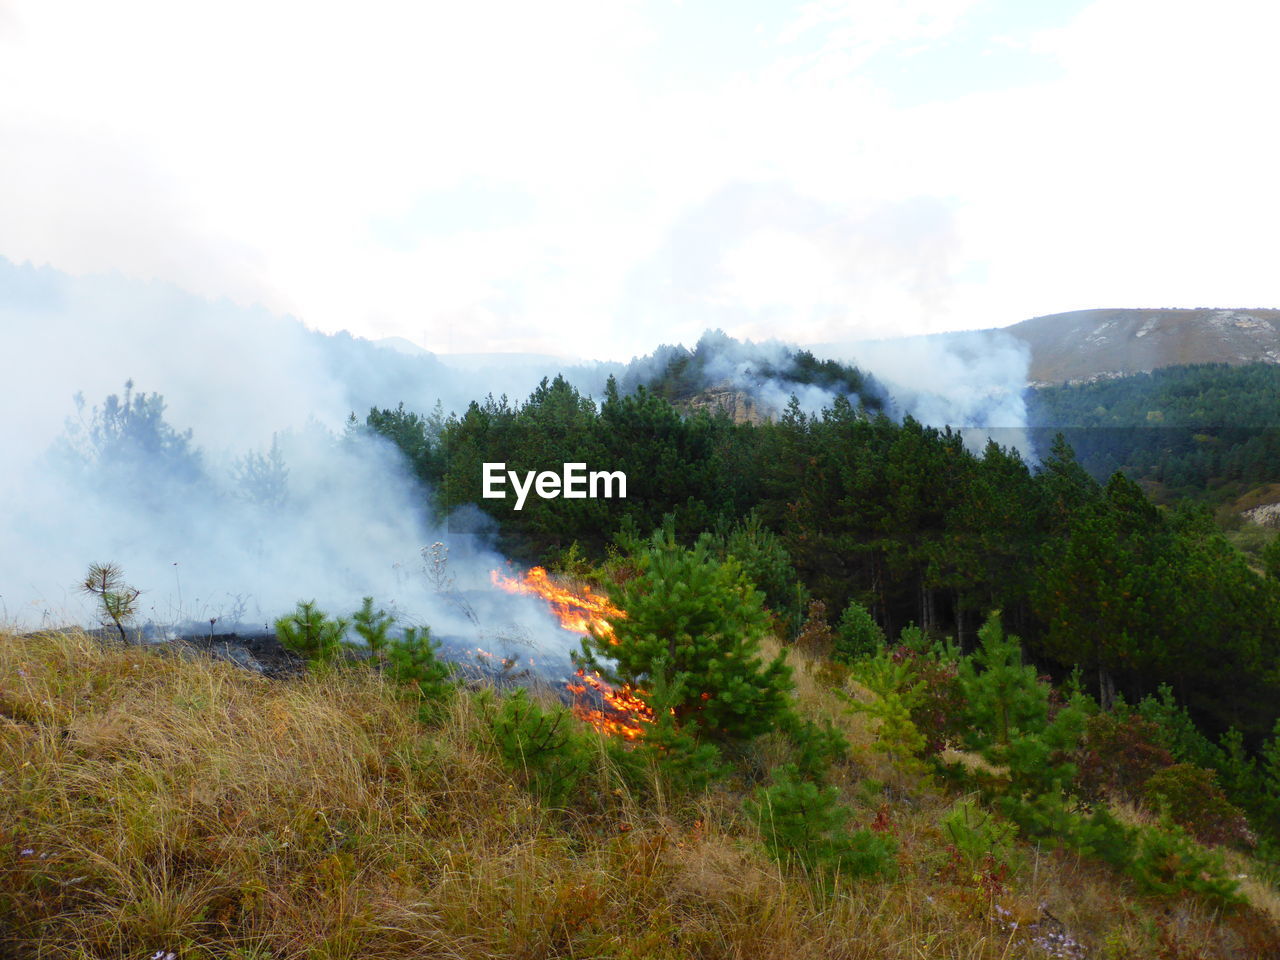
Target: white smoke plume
[(741, 363), (974, 381), (271, 500), (767, 371)]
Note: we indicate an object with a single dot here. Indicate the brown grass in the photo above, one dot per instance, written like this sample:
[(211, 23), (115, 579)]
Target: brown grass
[(150, 803)]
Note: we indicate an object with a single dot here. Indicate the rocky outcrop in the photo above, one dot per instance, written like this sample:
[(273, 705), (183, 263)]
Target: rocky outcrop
[(738, 404), (1266, 515)]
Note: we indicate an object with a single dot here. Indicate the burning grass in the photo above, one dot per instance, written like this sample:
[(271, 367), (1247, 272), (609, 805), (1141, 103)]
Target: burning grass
[(579, 610), (155, 804), (619, 711)]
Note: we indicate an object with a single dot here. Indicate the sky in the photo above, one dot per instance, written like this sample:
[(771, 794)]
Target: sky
[(591, 178)]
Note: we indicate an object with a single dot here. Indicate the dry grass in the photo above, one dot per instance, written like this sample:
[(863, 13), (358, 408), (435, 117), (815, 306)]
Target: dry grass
[(152, 804)]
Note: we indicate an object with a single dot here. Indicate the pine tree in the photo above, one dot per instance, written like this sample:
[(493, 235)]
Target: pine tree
[(1004, 697), (698, 622), (118, 600), (803, 822), (683, 764), (858, 635), (372, 626), (412, 660), (311, 633), (547, 746)]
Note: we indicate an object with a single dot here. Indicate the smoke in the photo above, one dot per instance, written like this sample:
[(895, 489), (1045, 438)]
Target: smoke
[(975, 381), (771, 372), (224, 481), (243, 491), (761, 370)]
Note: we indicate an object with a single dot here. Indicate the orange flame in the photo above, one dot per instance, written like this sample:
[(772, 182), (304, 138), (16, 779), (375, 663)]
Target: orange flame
[(624, 712), (578, 612)]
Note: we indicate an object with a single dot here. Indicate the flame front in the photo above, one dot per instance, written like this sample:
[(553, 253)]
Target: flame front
[(620, 711), (584, 612), (626, 712)]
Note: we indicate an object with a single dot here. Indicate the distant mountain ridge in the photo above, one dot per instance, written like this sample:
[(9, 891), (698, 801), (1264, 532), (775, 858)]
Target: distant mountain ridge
[(1086, 345)]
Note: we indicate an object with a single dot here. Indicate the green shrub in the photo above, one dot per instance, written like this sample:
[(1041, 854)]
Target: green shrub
[(1191, 797), (311, 633), (1013, 725), (412, 662), (372, 627), (1004, 697), (1177, 732), (803, 823), (547, 747), (978, 833), (857, 634), (1119, 752), (1271, 558), (814, 748), (696, 623), (1166, 861), (896, 693), (913, 638), (1099, 834), (1251, 783), (573, 562), (766, 563), (681, 763), (1268, 806)]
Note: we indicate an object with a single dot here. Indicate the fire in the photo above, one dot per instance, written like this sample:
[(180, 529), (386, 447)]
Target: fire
[(621, 711), (577, 612), (624, 714)]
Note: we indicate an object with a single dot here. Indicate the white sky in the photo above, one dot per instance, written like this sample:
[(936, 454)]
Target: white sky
[(594, 177)]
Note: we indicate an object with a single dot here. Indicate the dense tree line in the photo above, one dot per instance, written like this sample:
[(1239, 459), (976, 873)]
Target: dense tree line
[(899, 518), (1194, 428)]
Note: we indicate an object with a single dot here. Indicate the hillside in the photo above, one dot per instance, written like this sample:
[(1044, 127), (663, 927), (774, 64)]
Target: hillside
[(1086, 345), (159, 806), (1205, 431)]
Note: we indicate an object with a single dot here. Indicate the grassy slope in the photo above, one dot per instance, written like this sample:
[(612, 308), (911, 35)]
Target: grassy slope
[(154, 804)]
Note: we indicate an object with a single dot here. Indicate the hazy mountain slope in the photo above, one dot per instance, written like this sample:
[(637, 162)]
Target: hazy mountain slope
[(1087, 345)]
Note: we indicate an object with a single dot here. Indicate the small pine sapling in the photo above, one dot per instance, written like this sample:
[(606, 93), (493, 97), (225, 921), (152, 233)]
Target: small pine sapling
[(814, 747), (372, 627), (546, 746), (311, 633), (857, 635), (896, 693), (118, 600), (1004, 696), (978, 834), (1166, 861), (704, 622), (412, 661), (804, 823)]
